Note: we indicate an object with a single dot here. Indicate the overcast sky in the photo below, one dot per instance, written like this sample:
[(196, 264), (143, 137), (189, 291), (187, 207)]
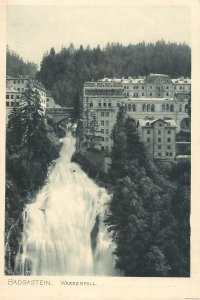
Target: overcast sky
[(32, 30)]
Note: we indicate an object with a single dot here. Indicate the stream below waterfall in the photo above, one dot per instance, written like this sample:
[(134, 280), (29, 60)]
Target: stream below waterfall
[(63, 230)]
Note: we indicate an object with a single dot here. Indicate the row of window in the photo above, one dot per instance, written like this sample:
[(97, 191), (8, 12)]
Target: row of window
[(106, 148), (159, 140), (105, 114), (106, 131), (168, 147), (105, 139), (159, 131), (166, 154), (18, 81), (12, 96), (105, 123), (11, 104)]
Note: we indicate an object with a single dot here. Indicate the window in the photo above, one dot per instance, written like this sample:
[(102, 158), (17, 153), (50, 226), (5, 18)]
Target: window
[(7, 103), (12, 104), (186, 108), (22, 81), (7, 97), (169, 131), (148, 140), (102, 114), (152, 107), (163, 107), (180, 108), (148, 131), (180, 88), (118, 104), (107, 148), (167, 107), (107, 139), (105, 104), (166, 153), (150, 94), (107, 123), (102, 131), (14, 81), (12, 97), (142, 94), (171, 107), (159, 131), (159, 154), (107, 131), (129, 107), (134, 107), (144, 107), (170, 153), (168, 147), (167, 87), (99, 104), (102, 148), (18, 81), (159, 146), (168, 140), (143, 87), (109, 104), (167, 94), (17, 96), (159, 140), (102, 139), (91, 104), (102, 123), (107, 114)]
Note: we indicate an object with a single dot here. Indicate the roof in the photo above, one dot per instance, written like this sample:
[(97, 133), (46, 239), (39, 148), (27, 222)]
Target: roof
[(147, 99), (149, 122), (181, 81)]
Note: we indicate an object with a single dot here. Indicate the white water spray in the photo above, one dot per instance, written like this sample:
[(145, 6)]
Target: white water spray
[(64, 233)]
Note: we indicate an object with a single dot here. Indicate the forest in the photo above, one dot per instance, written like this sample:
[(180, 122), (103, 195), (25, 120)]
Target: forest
[(149, 212)]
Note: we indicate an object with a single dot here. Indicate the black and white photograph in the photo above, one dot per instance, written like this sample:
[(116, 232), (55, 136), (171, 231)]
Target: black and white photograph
[(98, 141)]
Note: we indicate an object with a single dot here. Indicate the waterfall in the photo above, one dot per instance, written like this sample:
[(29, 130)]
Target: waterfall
[(63, 230)]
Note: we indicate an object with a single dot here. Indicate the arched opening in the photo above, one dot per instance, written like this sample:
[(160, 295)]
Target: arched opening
[(167, 107), (134, 107), (163, 107), (148, 107), (172, 107), (152, 107), (129, 107), (144, 107)]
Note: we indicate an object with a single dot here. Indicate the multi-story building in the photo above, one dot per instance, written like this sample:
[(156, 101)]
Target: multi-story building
[(12, 100), (155, 96), (100, 100), (153, 86), (15, 86), (159, 136)]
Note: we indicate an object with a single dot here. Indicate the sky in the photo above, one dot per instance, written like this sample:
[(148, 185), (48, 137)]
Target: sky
[(33, 30)]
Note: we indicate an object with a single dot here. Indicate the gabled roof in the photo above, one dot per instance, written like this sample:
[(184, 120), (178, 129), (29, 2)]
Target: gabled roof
[(151, 122)]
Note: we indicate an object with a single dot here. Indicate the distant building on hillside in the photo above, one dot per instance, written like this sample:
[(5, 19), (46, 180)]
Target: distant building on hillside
[(15, 86), (159, 136)]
